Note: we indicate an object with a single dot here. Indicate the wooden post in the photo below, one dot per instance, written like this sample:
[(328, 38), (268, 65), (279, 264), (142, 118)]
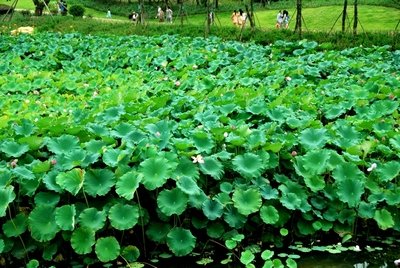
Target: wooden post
[(344, 15), (355, 23)]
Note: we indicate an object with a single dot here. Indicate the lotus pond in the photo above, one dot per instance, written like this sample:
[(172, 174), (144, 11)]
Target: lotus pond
[(120, 150)]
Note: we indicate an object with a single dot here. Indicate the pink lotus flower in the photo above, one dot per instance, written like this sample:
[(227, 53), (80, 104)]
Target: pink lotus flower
[(177, 83)]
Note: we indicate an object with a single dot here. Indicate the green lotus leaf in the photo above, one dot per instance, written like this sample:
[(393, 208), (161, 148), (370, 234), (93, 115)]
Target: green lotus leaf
[(123, 217), (248, 165), (258, 107), (130, 253), (312, 163), (95, 146), (13, 149), (348, 171), (73, 158), (226, 187), (65, 217), (162, 131), (312, 138), (203, 142), (47, 198), (290, 201), (123, 130), (246, 257), (50, 182), (186, 168), (111, 114), (366, 210), (16, 226), (32, 264), (127, 184), (7, 195), (388, 171), (269, 214), (71, 181), (233, 217), (99, 130), (156, 171), (5, 177), (279, 114), (23, 173), (82, 240), (212, 167), (42, 223), (256, 139), (92, 218), (215, 229), (157, 232), (348, 136), (212, 209), (395, 143), (26, 128), (187, 185), (112, 157), (247, 201), (180, 241), (197, 200), (384, 219), (49, 251), (98, 182), (40, 167), (172, 201), (107, 248), (315, 183), (350, 191), (267, 254), (63, 144)]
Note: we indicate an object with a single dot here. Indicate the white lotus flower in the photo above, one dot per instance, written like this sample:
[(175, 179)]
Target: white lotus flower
[(226, 134), (198, 159), (357, 248), (372, 167)]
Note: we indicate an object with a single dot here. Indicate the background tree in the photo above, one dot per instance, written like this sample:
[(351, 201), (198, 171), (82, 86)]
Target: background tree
[(39, 6), (355, 17), (344, 15), (297, 28)]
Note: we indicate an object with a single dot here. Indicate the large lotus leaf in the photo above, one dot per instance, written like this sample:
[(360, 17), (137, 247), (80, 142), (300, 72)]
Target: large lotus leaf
[(15, 226), (73, 158), (71, 181), (50, 182), (112, 157), (384, 219), (63, 144), (350, 191), (187, 168), (248, 165), (268, 193), (127, 184), (94, 146), (312, 138), (256, 139), (366, 210), (7, 195), (393, 197), (47, 198), (26, 128), (65, 217), (42, 223), (13, 149), (157, 232), (123, 130), (172, 201), (279, 114), (291, 201), (197, 200), (92, 218), (156, 171), (187, 185), (388, 171), (82, 240), (180, 241), (212, 167), (107, 248), (315, 183), (123, 217), (212, 209), (40, 167), (23, 173), (395, 143), (203, 141), (111, 114), (269, 214), (98, 129), (5, 177), (247, 201), (234, 218), (98, 182), (312, 163), (348, 171)]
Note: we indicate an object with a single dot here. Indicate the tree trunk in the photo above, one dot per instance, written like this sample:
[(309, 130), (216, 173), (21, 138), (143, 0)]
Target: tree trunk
[(297, 28), (355, 17), (216, 4), (344, 15), (208, 22)]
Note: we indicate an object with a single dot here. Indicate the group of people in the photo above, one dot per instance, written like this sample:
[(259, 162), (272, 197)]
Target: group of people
[(239, 18), (167, 16), (282, 19)]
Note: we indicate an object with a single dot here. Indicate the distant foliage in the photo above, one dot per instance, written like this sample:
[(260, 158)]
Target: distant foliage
[(77, 10)]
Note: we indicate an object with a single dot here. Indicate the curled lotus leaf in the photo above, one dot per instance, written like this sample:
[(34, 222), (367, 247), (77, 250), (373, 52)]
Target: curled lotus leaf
[(16, 226), (248, 165), (7, 195), (42, 223), (384, 219), (65, 217), (71, 181), (127, 184), (247, 201), (312, 138), (212, 167), (13, 149), (62, 144), (212, 209), (188, 185), (350, 191)]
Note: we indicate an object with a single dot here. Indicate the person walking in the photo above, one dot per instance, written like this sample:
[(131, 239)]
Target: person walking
[(108, 14), (168, 14), (279, 20)]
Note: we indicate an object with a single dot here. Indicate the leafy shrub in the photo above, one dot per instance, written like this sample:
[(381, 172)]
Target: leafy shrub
[(77, 11)]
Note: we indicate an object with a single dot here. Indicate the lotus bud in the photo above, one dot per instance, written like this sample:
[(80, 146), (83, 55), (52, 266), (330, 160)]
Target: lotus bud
[(27, 101), (158, 134), (53, 162), (294, 153), (226, 134), (195, 67), (165, 78), (397, 263), (177, 83), (357, 248), (287, 78), (35, 92), (14, 163)]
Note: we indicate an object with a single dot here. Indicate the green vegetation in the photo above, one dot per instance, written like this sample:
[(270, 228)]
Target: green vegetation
[(125, 149)]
